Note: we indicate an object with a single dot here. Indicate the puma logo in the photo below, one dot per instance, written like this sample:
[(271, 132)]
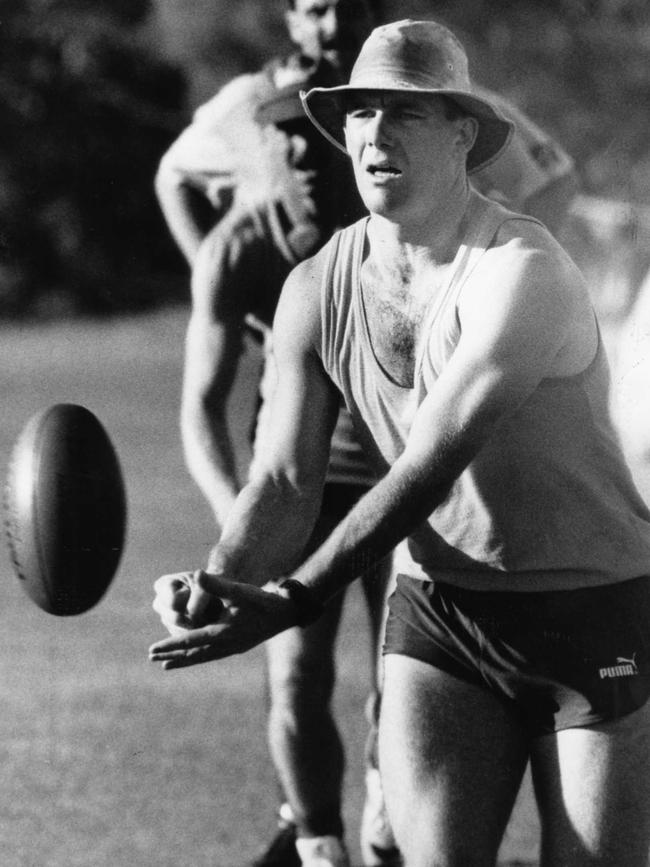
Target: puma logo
[(625, 667)]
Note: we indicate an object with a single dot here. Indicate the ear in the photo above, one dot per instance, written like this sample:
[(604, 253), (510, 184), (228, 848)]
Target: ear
[(345, 133), (468, 130), (346, 136)]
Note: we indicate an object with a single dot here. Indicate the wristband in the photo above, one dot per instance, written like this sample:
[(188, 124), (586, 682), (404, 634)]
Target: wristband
[(307, 606)]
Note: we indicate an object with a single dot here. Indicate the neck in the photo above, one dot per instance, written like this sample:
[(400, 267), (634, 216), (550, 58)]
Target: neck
[(433, 240)]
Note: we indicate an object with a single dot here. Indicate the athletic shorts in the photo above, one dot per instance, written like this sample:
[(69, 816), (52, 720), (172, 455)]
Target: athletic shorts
[(557, 659)]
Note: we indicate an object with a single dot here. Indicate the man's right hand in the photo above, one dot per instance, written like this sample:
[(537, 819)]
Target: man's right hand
[(210, 618)]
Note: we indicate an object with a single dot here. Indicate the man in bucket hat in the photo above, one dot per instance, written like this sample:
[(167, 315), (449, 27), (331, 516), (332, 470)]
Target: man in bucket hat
[(252, 143), (463, 340)]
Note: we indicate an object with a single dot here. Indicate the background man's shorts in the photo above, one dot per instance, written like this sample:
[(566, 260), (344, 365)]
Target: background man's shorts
[(557, 659)]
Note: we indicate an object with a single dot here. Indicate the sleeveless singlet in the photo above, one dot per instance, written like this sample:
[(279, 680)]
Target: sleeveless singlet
[(548, 503)]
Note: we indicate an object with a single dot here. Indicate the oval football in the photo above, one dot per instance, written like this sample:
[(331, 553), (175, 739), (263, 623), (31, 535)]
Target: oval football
[(65, 509)]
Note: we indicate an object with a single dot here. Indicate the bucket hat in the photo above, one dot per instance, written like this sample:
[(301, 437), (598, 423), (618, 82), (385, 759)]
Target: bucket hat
[(421, 57)]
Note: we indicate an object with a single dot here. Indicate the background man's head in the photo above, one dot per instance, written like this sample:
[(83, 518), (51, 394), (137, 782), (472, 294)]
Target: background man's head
[(333, 30)]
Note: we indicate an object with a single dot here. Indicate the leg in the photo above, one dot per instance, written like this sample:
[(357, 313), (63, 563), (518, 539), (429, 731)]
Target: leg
[(452, 759), (593, 790), (377, 586), (378, 848), (305, 744)]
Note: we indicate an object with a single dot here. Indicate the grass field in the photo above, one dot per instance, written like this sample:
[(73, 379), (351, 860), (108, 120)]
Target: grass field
[(106, 761)]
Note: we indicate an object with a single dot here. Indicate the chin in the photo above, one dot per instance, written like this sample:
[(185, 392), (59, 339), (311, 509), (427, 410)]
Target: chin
[(381, 204)]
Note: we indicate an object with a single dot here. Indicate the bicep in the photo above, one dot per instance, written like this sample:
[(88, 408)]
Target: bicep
[(512, 332)]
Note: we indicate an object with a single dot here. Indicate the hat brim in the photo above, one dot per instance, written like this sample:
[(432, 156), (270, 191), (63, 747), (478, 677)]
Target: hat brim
[(324, 107)]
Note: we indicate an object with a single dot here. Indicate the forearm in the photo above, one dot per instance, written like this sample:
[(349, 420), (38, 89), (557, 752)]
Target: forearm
[(267, 531), (210, 456), (389, 512)]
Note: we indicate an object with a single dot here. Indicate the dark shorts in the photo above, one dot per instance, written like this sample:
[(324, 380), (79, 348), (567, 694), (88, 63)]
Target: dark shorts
[(339, 499), (558, 660)]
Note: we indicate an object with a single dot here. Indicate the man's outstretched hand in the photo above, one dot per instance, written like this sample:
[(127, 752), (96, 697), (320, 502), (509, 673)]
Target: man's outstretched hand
[(211, 617)]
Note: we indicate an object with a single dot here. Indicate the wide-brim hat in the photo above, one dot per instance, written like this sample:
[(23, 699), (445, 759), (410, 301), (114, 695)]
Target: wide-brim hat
[(421, 57)]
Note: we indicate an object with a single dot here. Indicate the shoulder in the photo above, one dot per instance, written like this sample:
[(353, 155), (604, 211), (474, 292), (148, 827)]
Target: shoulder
[(524, 245), (302, 293), (246, 91), (297, 321), (242, 92), (525, 271), (305, 280)]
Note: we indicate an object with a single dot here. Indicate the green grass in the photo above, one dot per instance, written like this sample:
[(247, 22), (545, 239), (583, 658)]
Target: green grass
[(106, 761)]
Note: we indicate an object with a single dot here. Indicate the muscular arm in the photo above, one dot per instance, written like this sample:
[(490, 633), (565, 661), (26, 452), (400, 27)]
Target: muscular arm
[(530, 322), (271, 521), (517, 329)]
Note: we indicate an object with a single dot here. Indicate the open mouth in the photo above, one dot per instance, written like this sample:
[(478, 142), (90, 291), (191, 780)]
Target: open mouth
[(383, 170)]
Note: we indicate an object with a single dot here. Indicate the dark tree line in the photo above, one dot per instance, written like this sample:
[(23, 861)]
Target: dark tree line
[(93, 91), (85, 111)]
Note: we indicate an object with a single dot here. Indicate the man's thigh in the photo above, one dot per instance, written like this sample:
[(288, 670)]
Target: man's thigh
[(593, 790), (452, 758)]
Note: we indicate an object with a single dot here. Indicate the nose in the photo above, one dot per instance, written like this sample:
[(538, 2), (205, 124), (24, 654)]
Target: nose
[(329, 24), (378, 129)]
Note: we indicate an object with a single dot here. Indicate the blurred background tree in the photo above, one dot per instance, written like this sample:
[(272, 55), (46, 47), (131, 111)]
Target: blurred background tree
[(86, 108), (93, 91)]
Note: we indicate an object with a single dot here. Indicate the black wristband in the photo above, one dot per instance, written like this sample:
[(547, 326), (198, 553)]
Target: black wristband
[(308, 607)]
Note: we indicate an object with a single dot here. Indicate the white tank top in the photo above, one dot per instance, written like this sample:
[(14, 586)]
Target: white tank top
[(548, 503)]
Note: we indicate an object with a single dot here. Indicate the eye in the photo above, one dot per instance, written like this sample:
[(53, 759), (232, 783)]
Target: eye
[(409, 113), (360, 113), (317, 12)]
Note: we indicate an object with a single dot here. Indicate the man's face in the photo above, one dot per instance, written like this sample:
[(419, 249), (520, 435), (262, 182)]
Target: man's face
[(405, 152), (330, 29)]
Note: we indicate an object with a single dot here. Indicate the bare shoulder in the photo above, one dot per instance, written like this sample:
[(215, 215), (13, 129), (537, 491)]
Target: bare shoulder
[(527, 290), (240, 91), (298, 315), (525, 257)]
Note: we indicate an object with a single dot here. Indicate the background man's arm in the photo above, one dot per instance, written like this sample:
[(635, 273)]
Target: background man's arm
[(184, 207), (196, 176), (213, 347)]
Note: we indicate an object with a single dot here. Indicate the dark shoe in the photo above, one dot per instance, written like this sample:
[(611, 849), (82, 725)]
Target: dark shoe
[(282, 851)]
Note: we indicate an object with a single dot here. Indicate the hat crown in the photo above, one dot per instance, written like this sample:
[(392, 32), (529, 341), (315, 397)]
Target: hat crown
[(411, 54)]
